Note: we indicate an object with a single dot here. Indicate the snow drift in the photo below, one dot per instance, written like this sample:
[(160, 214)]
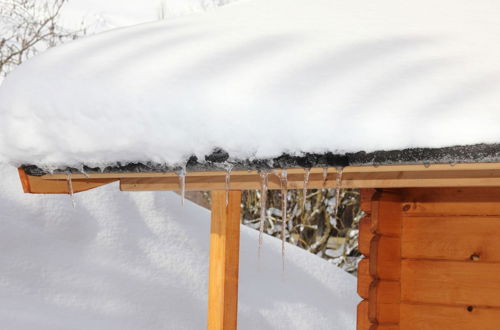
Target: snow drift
[(140, 261), (261, 77)]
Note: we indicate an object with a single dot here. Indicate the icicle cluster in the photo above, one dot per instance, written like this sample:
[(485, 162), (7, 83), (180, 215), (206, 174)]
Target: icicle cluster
[(182, 183), (70, 189), (284, 204), (229, 168), (338, 187), (307, 172), (263, 202), (325, 175)]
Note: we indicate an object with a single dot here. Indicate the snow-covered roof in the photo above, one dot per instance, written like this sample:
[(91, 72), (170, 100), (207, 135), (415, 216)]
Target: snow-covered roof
[(259, 78)]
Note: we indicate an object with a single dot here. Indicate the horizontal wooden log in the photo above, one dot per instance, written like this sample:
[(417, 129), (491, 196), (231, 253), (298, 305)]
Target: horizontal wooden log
[(385, 292), (386, 327), (349, 180), (365, 200), (384, 300), (452, 202), (450, 282), (451, 238), (436, 317), (363, 323), (386, 213), (385, 258), (388, 314), (365, 236), (364, 278)]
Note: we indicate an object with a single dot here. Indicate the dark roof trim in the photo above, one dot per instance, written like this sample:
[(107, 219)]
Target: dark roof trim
[(219, 159)]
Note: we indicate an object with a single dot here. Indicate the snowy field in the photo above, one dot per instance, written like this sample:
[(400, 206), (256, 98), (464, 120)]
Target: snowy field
[(130, 261)]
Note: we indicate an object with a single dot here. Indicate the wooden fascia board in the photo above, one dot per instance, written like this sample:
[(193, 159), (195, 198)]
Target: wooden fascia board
[(384, 176)]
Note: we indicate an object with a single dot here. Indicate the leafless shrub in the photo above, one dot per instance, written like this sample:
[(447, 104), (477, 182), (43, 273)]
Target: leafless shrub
[(312, 225), (28, 27)]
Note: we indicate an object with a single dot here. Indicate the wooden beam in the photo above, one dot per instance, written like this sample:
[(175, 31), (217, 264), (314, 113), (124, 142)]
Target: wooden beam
[(224, 261), (439, 317), (450, 282), (39, 185), (388, 176)]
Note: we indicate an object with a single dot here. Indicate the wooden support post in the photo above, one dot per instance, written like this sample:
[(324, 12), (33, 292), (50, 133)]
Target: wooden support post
[(224, 258)]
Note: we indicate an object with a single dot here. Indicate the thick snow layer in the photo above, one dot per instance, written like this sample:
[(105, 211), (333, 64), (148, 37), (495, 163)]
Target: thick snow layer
[(140, 261), (262, 77)]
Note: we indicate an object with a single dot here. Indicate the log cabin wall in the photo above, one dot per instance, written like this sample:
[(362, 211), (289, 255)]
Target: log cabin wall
[(432, 259)]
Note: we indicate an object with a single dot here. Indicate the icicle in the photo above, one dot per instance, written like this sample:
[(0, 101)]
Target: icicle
[(306, 182), (182, 183), (263, 202), (284, 193), (228, 182), (338, 185), (70, 189), (325, 175)]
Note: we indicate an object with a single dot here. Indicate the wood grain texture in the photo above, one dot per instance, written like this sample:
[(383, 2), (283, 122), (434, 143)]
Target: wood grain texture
[(364, 278), (365, 236), (435, 317), (386, 327), (385, 258), (451, 238), (386, 213), (452, 202), (37, 185), (387, 176), (224, 261), (450, 282), (384, 300), (365, 199), (362, 321)]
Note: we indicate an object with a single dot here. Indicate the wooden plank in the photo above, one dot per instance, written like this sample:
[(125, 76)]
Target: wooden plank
[(388, 176), (451, 238), (451, 202), (385, 255), (349, 181), (224, 259), (384, 300), (388, 315), (386, 327), (435, 317), (450, 282), (386, 213), (238, 182), (37, 185), (385, 292), (363, 323), (365, 200), (364, 278), (25, 182), (397, 169), (365, 236)]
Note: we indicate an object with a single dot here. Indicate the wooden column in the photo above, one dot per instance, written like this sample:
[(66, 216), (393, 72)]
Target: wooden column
[(224, 258)]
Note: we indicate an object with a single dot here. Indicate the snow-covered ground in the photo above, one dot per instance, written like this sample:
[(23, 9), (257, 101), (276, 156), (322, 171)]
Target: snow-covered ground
[(262, 77), (140, 261)]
